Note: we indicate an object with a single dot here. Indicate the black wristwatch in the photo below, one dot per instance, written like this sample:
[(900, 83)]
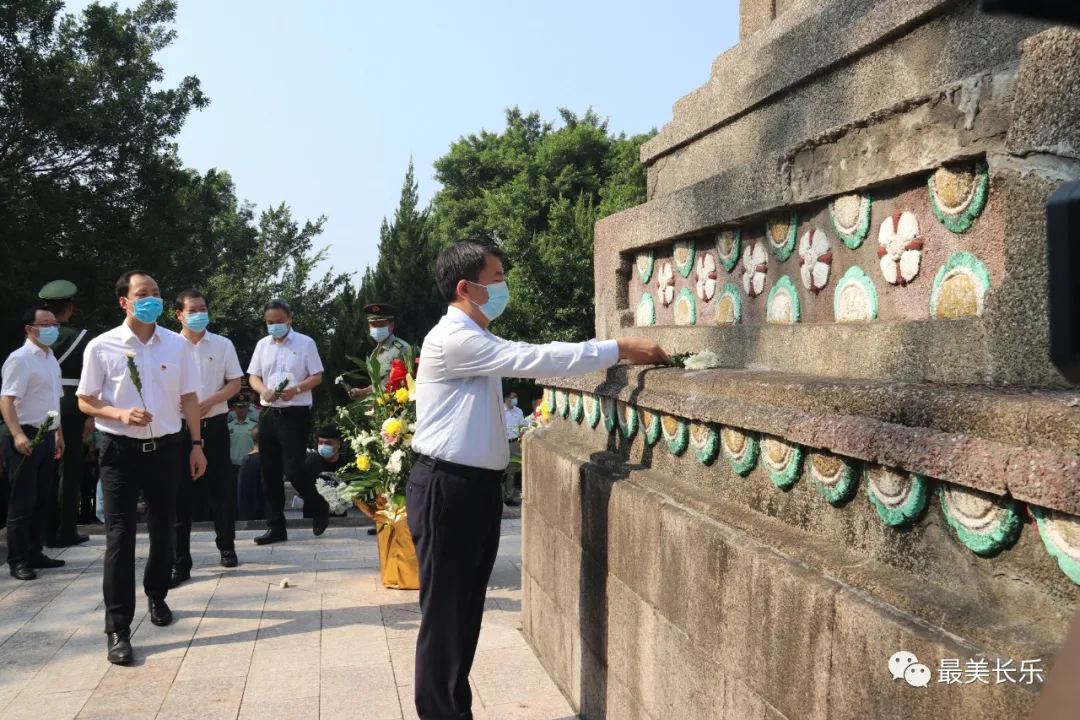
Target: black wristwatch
[(196, 443)]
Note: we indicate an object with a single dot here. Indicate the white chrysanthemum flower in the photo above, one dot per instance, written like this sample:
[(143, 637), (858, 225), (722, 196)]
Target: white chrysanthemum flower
[(393, 465), (289, 377), (412, 427), (340, 380), (129, 355), (51, 414), (702, 361)]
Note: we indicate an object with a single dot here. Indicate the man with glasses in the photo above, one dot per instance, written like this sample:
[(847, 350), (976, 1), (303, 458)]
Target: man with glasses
[(31, 440)]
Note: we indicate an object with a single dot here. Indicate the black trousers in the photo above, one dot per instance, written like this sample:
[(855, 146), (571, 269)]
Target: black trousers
[(283, 438), (125, 470), (219, 484), (30, 480), (455, 522)]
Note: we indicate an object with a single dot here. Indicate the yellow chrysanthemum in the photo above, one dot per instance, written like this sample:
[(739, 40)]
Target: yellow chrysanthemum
[(363, 463), (380, 400), (402, 396), (393, 427)]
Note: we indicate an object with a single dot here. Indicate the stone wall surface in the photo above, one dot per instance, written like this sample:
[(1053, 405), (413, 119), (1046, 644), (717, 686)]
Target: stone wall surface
[(849, 215)]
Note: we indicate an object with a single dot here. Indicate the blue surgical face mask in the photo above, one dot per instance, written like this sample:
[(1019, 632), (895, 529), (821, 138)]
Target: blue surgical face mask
[(327, 451), (197, 322), (147, 310), (48, 335), (378, 334), (513, 402), (277, 330), (498, 299)]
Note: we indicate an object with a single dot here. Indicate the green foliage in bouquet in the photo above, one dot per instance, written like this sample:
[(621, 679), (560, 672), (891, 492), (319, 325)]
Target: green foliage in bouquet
[(379, 430)]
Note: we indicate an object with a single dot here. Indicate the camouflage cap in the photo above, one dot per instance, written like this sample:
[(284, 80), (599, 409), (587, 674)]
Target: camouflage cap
[(58, 290)]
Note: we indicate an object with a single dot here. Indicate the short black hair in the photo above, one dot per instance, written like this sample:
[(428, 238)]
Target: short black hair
[(30, 316), (329, 432), (463, 261), (278, 304), (255, 434), (508, 393), (189, 294), (123, 285)]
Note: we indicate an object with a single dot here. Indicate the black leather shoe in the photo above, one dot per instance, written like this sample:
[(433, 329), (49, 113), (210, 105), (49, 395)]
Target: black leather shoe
[(228, 558), (75, 539), (272, 535), (372, 531), (44, 561), (23, 571), (321, 522), (119, 649), (160, 614), (179, 575)]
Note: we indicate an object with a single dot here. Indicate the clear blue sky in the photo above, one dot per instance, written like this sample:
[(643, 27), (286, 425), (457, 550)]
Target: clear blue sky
[(321, 103)]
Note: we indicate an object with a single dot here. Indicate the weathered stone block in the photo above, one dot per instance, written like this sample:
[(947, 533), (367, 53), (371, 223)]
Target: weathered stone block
[(1048, 95), (634, 539), (754, 15)]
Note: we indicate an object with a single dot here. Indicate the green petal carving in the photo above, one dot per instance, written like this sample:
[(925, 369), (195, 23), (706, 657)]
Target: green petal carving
[(730, 291), (687, 297), (854, 237), (962, 220), (742, 462), (783, 252), (562, 403), (1052, 526), (856, 275), (680, 440), (786, 475), (549, 400), (608, 410), (644, 263), (650, 427), (627, 420), (591, 406), (707, 448), (839, 488), (784, 284), (691, 247), (968, 264), (577, 408), (984, 524), (646, 311), (728, 262), (906, 504)]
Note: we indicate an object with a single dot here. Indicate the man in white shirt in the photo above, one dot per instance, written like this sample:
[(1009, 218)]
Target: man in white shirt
[(139, 415), (30, 393), (284, 369), (462, 451), (515, 419), (219, 380)]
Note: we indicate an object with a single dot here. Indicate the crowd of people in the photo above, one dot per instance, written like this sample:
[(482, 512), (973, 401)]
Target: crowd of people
[(166, 424)]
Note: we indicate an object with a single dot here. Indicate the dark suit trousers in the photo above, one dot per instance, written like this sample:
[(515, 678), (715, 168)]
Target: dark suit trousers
[(455, 523), (220, 485), (125, 470), (30, 478), (283, 439)]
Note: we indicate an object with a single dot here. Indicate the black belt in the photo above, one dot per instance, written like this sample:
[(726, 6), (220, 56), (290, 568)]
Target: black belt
[(146, 446), (466, 471), (205, 422), (288, 409)]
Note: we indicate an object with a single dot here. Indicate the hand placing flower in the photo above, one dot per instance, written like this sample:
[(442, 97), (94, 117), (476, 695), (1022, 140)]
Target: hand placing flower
[(283, 384)]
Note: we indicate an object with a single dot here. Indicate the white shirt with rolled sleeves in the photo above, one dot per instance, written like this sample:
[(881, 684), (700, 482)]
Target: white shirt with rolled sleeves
[(216, 359), (32, 376), (296, 354), (165, 367), (459, 403)]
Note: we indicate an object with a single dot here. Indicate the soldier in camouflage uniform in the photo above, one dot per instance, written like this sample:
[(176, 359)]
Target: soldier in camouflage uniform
[(388, 347), (62, 505)]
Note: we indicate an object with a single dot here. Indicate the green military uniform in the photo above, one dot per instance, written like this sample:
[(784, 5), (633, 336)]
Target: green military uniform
[(392, 348), (62, 512)]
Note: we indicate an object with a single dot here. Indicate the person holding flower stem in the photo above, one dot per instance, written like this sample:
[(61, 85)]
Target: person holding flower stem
[(284, 369), (32, 441), (138, 383)]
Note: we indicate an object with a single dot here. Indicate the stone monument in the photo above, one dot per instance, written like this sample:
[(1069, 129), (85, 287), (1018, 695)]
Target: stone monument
[(872, 508)]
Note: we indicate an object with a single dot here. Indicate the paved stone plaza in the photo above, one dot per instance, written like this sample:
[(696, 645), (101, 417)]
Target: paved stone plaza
[(335, 644)]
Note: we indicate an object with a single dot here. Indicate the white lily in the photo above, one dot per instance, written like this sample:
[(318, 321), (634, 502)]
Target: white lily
[(702, 361)]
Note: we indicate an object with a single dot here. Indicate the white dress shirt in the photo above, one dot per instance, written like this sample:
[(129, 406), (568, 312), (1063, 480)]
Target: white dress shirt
[(165, 367), (459, 399), (515, 422), (216, 359), (296, 354), (32, 376)]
